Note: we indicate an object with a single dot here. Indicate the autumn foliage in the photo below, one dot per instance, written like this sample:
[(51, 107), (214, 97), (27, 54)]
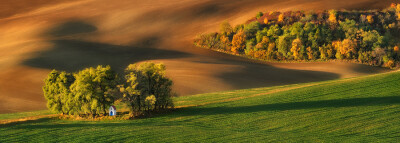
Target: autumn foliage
[(296, 46), (361, 36), (238, 42)]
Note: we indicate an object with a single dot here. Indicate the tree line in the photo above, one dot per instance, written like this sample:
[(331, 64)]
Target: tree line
[(144, 88), (368, 37)]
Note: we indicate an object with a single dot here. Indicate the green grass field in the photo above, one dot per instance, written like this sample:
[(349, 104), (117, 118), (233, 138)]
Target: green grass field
[(362, 109)]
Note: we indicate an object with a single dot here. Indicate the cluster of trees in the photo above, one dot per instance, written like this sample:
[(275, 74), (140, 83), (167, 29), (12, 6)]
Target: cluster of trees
[(364, 36), (91, 91)]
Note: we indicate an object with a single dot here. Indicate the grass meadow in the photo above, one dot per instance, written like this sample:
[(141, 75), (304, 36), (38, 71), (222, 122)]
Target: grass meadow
[(361, 109)]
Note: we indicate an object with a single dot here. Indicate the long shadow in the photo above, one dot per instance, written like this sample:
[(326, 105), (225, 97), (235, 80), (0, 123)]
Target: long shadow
[(70, 54), (73, 55), (336, 103), (72, 27)]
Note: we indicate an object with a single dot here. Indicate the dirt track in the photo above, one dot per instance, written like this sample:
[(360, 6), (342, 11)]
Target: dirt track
[(36, 37)]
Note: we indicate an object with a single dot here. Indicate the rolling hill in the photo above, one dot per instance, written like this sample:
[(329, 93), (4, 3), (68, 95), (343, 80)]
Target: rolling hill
[(361, 109), (36, 37)]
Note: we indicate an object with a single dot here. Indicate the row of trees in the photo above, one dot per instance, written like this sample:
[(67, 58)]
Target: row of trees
[(365, 36), (92, 90)]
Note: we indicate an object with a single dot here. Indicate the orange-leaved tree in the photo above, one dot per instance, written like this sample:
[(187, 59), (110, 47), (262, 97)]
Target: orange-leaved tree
[(238, 42), (332, 16), (370, 19), (266, 20), (281, 18)]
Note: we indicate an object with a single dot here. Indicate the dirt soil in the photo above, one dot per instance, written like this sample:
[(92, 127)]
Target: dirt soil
[(41, 35)]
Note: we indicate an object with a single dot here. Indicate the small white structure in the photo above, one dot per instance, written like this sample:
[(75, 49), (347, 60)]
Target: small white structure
[(112, 110)]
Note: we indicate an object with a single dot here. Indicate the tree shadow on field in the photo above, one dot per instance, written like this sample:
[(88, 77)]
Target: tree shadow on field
[(72, 27), (335, 103), (73, 55)]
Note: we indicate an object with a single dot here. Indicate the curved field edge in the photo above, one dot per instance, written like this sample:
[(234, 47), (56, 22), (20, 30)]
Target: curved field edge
[(357, 109)]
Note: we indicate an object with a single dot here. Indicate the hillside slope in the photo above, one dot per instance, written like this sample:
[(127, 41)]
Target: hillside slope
[(71, 35), (363, 109)]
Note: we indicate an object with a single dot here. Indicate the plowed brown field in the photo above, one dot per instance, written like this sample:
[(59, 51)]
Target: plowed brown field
[(37, 36)]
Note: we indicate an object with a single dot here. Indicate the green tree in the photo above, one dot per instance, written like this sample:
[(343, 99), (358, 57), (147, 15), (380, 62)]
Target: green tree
[(284, 44), (130, 93), (93, 89), (251, 28), (152, 81), (371, 40), (296, 30), (350, 28), (274, 32), (260, 34), (263, 45), (56, 91), (250, 45)]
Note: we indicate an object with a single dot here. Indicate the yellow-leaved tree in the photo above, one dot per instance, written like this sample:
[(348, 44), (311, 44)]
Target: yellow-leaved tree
[(296, 46), (310, 53), (225, 42), (347, 47)]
